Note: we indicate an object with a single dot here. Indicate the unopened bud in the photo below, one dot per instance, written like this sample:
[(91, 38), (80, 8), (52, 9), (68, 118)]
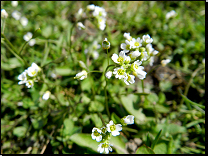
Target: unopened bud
[(106, 44)]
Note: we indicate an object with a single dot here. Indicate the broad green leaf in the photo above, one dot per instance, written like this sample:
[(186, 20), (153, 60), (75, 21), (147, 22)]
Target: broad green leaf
[(118, 144), (97, 121), (159, 108), (64, 71), (144, 150), (161, 97), (11, 64), (165, 85), (161, 148), (115, 118), (19, 131), (96, 106), (153, 98), (170, 128), (130, 102), (68, 127), (85, 140)]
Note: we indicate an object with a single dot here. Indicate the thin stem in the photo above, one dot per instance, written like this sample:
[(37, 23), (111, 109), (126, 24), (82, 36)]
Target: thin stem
[(3, 25), (100, 115), (95, 71), (152, 69), (106, 98), (107, 57), (189, 83), (70, 40), (142, 86)]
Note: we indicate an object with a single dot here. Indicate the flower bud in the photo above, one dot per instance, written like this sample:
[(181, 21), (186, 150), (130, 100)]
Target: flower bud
[(4, 14), (106, 44)]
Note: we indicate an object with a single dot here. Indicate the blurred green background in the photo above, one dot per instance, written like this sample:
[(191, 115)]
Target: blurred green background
[(63, 124)]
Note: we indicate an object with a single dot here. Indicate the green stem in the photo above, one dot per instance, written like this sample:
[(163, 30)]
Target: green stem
[(107, 57), (100, 115), (70, 40), (189, 83), (142, 86), (106, 98), (95, 71), (152, 69)]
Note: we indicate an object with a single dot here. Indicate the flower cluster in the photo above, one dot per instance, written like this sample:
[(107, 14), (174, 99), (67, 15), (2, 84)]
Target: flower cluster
[(98, 13), (134, 53), (103, 134), (29, 76)]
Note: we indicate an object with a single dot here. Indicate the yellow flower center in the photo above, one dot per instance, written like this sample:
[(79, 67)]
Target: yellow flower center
[(96, 133), (33, 72), (128, 47), (120, 71), (136, 43), (120, 59), (104, 145), (112, 128)]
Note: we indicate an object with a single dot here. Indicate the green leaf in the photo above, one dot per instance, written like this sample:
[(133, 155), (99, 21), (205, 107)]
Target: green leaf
[(156, 139), (161, 148), (64, 71), (46, 32), (153, 98), (115, 118), (96, 106), (118, 144), (144, 150), (130, 102), (68, 127), (97, 121), (148, 140), (192, 103), (85, 140), (19, 131), (165, 85), (161, 97), (11, 64), (170, 128)]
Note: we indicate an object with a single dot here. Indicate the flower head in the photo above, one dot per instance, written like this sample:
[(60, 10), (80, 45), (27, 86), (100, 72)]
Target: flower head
[(96, 134), (16, 14), (109, 74), (138, 70), (170, 14), (147, 39), (29, 83), (14, 3), (4, 14), (164, 62), (136, 43), (104, 147), (91, 7), (119, 72), (22, 77), (27, 36), (33, 70), (23, 21), (129, 119), (121, 58), (129, 79), (80, 26), (114, 129), (127, 36), (126, 46), (81, 75), (46, 95)]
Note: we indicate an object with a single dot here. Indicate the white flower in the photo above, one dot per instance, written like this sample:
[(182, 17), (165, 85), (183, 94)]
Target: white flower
[(91, 7), (16, 14), (105, 44), (129, 119), (136, 43), (164, 62), (79, 13), (147, 39), (80, 26), (151, 60), (121, 58), (114, 129), (96, 134), (22, 77), (14, 3), (53, 75), (145, 56), (29, 83), (101, 23), (28, 36), (126, 46), (33, 70), (46, 95), (32, 42), (99, 11), (109, 74), (23, 21), (129, 79), (134, 54), (138, 70), (4, 14), (95, 55), (95, 45), (127, 36), (104, 147), (81, 75), (119, 72), (170, 14)]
